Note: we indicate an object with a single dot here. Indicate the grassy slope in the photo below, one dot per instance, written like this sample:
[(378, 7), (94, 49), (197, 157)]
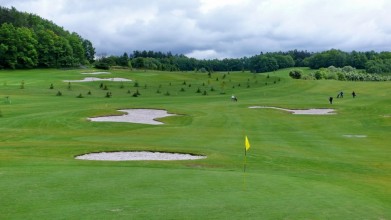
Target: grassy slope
[(298, 166)]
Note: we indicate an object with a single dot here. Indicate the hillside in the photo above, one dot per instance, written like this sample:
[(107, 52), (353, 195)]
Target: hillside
[(29, 41)]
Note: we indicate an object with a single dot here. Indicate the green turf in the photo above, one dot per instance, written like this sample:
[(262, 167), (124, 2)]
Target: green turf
[(298, 166)]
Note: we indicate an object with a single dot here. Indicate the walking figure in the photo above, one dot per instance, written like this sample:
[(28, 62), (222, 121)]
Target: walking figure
[(353, 94), (331, 100), (233, 98), (340, 95)]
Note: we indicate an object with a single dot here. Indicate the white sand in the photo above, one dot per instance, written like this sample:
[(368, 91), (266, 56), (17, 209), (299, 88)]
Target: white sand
[(141, 116), (92, 79), (354, 135), (96, 73), (312, 111), (139, 155)]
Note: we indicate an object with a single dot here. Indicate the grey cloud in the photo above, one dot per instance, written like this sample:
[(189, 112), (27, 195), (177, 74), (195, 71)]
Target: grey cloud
[(223, 30)]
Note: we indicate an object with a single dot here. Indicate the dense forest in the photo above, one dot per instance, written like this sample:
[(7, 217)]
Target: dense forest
[(371, 61), (29, 41)]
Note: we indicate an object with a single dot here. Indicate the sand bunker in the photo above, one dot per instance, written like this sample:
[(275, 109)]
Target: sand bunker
[(96, 73), (92, 79), (141, 116), (313, 111), (354, 135), (138, 155)]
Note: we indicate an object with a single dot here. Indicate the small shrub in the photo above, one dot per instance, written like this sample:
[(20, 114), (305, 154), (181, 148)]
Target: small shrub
[(318, 75), (51, 86), (204, 93), (182, 89), (108, 95), (198, 90), (89, 92), (202, 70), (167, 93), (59, 93), (331, 75), (136, 84), (295, 74), (80, 96)]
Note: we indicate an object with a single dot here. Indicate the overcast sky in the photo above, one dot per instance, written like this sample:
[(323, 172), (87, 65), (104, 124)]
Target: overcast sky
[(220, 28)]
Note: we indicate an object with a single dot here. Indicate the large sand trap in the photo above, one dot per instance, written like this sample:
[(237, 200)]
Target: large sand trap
[(313, 111), (142, 116), (96, 73), (92, 79), (139, 155)]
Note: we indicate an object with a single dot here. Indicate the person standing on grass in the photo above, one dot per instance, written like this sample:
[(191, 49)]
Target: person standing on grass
[(353, 94), (331, 100)]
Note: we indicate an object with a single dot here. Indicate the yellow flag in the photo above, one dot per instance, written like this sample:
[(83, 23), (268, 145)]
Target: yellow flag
[(247, 143)]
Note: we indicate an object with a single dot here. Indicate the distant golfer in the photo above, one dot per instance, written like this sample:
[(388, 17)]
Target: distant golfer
[(353, 94), (331, 100), (340, 95)]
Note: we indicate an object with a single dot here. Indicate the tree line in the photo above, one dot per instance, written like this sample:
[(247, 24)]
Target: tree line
[(29, 41), (179, 62), (370, 61)]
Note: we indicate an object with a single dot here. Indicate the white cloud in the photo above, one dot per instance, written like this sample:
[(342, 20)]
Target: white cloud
[(220, 28), (205, 54)]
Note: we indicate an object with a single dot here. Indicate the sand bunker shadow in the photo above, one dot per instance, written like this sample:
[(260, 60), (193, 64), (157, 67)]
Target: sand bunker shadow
[(138, 156), (141, 116), (312, 111)]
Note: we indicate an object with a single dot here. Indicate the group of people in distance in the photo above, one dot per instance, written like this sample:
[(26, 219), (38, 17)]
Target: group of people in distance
[(340, 95)]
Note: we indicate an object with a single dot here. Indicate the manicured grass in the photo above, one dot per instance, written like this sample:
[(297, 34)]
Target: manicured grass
[(298, 166)]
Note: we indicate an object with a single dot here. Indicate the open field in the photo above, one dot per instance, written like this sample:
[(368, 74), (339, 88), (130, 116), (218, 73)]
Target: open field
[(298, 167)]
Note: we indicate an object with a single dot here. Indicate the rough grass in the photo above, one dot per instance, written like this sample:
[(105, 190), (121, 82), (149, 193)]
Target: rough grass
[(298, 166)]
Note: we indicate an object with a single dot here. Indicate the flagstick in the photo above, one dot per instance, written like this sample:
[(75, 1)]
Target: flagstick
[(244, 169)]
